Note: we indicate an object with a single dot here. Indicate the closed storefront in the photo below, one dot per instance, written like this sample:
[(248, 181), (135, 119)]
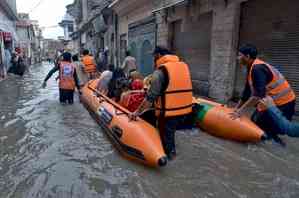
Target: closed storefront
[(191, 41), (123, 47), (273, 27), (142, 41)]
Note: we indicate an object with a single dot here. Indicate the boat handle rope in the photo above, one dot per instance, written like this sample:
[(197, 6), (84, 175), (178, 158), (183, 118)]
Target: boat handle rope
[(118, 110), (108, 100)]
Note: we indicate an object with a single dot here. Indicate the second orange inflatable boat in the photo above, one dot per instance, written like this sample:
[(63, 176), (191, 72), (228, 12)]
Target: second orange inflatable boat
[(214, 118), (137, 140)]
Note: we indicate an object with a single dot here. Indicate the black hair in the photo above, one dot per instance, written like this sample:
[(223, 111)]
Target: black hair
[(162, 51), (85, 52), (111, 67), (117, 83), (128, 53), (249, 50), (67, 56), (75, 57)]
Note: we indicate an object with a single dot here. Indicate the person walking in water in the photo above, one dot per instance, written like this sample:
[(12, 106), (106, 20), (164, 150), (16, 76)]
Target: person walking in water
[(68, 79), (82, 77), (89, 64)]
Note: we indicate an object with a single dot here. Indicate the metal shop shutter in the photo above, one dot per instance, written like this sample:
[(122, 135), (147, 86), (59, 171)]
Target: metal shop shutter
[(142, 42), (273, 26), (191, 41)]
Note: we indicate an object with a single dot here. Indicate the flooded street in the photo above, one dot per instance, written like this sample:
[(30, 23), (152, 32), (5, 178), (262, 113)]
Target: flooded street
[(48, 150)]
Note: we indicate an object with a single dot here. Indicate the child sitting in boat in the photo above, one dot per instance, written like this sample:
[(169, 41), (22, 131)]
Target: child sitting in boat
[(147, 81), (135, 75), (133, 98)]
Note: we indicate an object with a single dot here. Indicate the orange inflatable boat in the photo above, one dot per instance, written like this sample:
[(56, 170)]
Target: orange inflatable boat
[(214, 118), (137, 140)]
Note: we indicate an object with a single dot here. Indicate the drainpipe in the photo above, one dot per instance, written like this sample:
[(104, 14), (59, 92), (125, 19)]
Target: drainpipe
[(116, 40)]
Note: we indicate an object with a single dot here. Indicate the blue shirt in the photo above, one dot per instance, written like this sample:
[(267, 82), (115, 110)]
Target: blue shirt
[(283, 125)]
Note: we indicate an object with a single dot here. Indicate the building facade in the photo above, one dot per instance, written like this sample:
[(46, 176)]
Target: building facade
[(91, 23), (8, 18), (8, 35), (206, 34), (29, 35), (68, 26), (94, 27), (50, 48), (136, 32)]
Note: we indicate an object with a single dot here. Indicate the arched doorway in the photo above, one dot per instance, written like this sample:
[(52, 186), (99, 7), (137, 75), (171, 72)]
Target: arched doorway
[(133, 49), (146, 66)]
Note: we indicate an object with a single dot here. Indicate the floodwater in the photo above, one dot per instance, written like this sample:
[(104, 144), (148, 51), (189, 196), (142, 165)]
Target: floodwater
[(48, 150)]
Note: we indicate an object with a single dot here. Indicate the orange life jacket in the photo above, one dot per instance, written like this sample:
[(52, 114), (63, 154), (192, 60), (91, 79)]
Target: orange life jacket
[(177, 98), (279, 88), (66, 76), (89, 66)]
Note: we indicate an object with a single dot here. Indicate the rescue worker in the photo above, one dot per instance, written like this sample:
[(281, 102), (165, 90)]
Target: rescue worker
[(89, 64), (68, 79), (263, 80), (171, 94)]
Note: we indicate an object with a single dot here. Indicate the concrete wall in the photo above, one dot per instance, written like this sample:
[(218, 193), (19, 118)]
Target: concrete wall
[(13, 5), (23, 34), (6, 24), (225, 34), (132, 11)]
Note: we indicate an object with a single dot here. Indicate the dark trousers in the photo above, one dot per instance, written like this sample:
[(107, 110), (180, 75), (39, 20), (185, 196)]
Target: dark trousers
[(150, 117), (167, 127), (264, 121), (66, 96)]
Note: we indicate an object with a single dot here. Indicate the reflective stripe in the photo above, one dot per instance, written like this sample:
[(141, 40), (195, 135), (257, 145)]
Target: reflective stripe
[(179, 91), (276, 84), (282, 93), (175, 109)]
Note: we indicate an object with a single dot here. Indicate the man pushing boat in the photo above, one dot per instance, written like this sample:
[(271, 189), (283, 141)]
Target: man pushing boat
[(264, 80), (171, 94)]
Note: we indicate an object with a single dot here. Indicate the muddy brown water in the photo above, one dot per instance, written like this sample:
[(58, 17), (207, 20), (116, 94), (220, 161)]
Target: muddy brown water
[(52, 151)]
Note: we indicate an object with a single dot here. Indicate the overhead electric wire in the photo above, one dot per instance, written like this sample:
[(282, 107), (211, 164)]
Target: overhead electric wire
[(38, 4)]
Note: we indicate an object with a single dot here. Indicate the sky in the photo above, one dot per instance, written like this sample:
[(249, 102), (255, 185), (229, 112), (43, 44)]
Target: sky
[(47, 12)]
